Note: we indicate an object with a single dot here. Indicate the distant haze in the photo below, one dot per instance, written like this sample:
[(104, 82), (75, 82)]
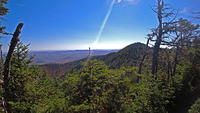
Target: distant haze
[(46, 57)]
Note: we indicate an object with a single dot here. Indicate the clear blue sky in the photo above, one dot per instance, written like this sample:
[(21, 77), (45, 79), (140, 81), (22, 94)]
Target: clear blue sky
[(76, 24)]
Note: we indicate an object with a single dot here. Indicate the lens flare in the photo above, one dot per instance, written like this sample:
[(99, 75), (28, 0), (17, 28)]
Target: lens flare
[(101, 29), (103, 24)]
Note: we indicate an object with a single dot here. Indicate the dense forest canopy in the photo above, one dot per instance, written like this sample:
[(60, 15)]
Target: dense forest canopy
[(139, 78)]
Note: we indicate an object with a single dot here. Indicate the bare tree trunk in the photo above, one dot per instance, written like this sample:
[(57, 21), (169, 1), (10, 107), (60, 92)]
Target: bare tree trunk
[(89, 56), (141, 61), (175, 61), (169, 67), (159, 39), (13, 44), (104, 108)]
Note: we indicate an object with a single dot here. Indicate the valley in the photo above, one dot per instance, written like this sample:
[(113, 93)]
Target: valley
[(61, 57), (128, 57)]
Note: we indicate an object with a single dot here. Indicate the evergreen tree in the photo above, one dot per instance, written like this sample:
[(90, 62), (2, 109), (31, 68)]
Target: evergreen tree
[(3, 12), (19, 76), (195, 108), (96, 86)]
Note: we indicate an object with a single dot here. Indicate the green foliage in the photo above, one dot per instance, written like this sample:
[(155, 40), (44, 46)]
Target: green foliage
[(45, 95), (111, 83), (19, 76), (127, 57), (32, 90), (152, 96), (195, 108), (3, 12), (94, 83), (186, 82)]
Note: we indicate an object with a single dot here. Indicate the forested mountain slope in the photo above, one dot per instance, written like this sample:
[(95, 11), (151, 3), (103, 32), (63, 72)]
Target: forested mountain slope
[(60, 70), (128, 56), (166, 80)]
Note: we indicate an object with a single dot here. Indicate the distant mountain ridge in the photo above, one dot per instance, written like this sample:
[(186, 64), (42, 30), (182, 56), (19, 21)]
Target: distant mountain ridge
[(51, 57), (128, 57)]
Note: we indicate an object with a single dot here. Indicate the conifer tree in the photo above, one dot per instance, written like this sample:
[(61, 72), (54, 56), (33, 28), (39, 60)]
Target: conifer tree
[(3, 12), (19, 76)]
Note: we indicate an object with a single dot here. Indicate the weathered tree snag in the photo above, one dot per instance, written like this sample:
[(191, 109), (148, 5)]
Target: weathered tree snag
[(169, 67), (141, 61), (175, 60), (159, 38), (13, 44), (89, 56)]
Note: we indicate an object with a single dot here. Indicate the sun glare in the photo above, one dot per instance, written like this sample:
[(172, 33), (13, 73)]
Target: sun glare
[(103, 24)]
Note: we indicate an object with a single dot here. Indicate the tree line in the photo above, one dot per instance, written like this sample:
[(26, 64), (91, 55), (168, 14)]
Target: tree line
[(166, 79)]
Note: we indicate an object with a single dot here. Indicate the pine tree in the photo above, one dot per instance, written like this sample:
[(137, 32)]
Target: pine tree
[(19, 76), (3, 12), (195, 108)]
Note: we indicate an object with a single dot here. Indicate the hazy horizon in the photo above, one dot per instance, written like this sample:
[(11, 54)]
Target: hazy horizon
[(69, 50)]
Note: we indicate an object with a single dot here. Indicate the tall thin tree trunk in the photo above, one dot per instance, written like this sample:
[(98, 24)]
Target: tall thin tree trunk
[(141, 61), (89, 56), (175, 61), (169, 67), (159, 39), (13, 44)]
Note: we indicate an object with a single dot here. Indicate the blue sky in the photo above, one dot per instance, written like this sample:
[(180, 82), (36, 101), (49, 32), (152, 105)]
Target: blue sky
[(76, 24)]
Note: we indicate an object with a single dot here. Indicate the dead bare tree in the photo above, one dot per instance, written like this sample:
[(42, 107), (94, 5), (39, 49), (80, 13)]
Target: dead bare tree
[(196, 15), (13, 43), (162, 11), (142, 59)]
